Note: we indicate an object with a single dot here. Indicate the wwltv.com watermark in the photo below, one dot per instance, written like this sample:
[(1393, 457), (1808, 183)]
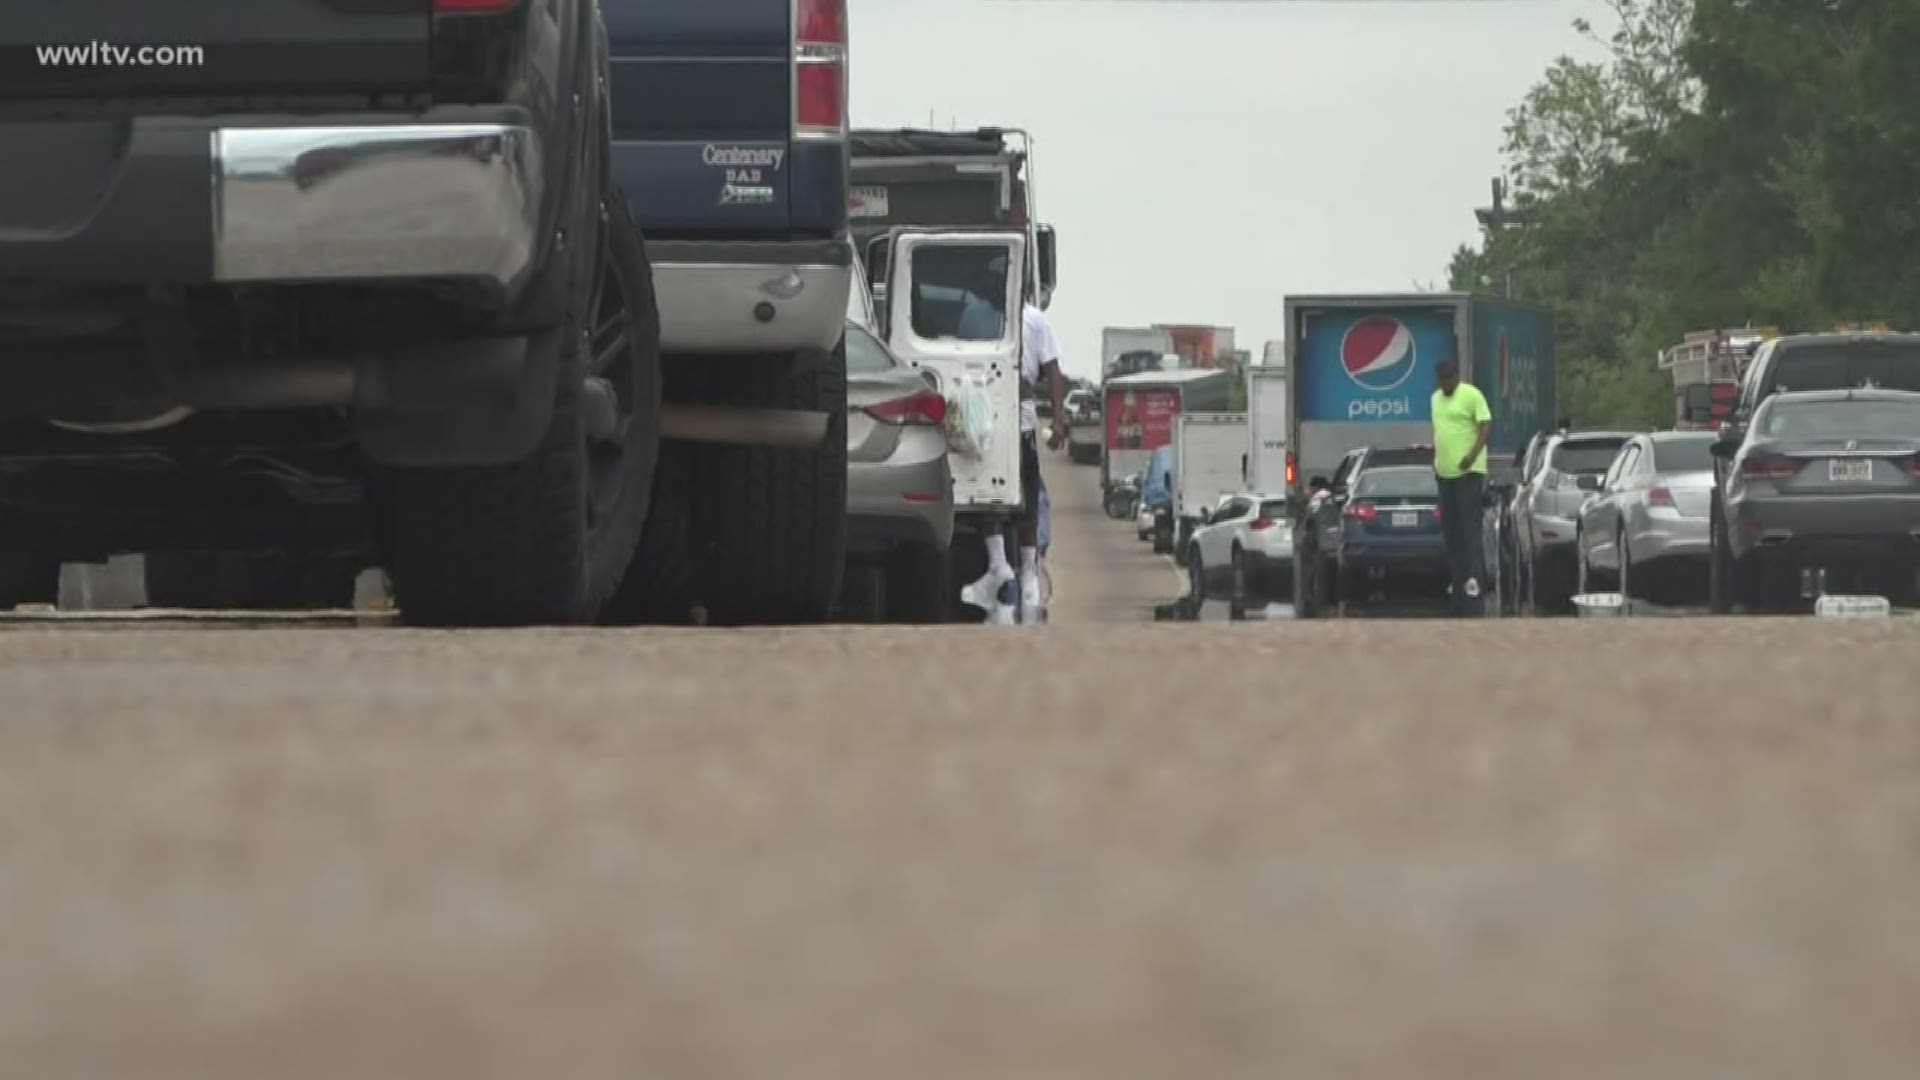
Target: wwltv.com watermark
[(101, 54)]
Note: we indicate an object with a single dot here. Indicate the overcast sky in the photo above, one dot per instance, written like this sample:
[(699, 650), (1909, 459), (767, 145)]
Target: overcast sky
[(1202, 160)]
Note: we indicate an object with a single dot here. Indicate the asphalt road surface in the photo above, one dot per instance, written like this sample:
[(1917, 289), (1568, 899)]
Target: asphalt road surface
[(1102, 848)]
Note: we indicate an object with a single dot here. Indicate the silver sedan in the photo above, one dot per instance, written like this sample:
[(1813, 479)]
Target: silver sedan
[(899, 483), (1644, 527)]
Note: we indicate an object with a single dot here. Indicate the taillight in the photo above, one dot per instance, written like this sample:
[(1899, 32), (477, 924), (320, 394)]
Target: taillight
[(1436, 513), (1912, 465), (820, 69), (471, 7), (1660, 496), (1361, 512), (1261, 524), (925, 407), (1290, 473), (1769, 467)]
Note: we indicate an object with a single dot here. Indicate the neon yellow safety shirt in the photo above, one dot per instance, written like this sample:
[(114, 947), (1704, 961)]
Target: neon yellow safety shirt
[(1456, 425)]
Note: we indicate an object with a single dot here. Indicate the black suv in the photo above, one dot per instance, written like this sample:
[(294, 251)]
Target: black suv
[(356, 287)]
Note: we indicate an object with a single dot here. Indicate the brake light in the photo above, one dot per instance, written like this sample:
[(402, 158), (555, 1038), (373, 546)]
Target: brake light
[(820, 69), (1261, 524), (1290, 473), (925, 407), (1361, 512), (1436, 512), (1660, 496), (1769, 467), (471, 7)]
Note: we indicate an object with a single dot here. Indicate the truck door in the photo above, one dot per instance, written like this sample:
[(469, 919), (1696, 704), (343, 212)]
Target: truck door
[(954, 302)]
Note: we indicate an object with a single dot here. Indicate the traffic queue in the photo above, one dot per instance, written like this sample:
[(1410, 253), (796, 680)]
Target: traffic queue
[(1802, 495)]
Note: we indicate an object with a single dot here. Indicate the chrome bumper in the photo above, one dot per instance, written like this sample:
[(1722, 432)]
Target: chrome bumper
[(369, 203), (712, 307)]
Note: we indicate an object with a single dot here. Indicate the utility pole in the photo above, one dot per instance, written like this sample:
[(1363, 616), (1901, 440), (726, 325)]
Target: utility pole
[(1498, 218)]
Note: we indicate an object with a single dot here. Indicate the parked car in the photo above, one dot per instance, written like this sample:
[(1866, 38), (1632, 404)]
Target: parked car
[(1545, 568), (1796, 364), (899, 481), (1243, 551), (1383, 554), (1821, 483), (1644, 529)]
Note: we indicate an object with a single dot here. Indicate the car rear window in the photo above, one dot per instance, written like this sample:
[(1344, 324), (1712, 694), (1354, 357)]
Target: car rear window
[(1683, 455), (1841, 419), (1841, 366), (1419, 455), (865, 356), (1397, 482), (1275, 509), (1593, 456)]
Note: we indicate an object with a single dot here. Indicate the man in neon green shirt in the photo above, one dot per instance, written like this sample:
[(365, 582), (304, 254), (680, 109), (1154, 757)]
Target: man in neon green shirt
[(1462, 423)]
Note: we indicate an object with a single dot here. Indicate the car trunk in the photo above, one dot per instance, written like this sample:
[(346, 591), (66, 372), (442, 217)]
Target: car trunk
[(703, 98), (1850, 467), (108, 48), (1399, 515), (870, 440), (1692, 492)]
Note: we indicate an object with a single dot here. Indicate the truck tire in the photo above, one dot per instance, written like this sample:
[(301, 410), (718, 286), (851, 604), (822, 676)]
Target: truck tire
[(919, 586), (546, 540), (28, 577), (247, 581), (767, 526)]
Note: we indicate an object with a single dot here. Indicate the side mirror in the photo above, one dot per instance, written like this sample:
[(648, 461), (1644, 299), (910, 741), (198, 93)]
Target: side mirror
[(1587, 482), (1046, 255)]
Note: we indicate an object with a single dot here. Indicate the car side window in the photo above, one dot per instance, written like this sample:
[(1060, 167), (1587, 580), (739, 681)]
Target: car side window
[(1619, 468), (1236, 509), (1344, 474)]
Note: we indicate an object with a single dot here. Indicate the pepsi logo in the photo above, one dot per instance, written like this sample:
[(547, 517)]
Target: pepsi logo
[(1378, 352)]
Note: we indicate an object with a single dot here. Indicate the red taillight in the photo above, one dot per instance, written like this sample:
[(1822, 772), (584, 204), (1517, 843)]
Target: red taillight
[(1660, 496), (1361, 512), (470, 7), (1290, 473), (1769, 467), (1261, 524), (1912, 465), (925, 407), (820, 69), (1436, 512)]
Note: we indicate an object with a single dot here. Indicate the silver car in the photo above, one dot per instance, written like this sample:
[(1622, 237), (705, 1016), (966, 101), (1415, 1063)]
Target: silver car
[(1824, 481), (899, 484), (1644, 528), (1544, 508)]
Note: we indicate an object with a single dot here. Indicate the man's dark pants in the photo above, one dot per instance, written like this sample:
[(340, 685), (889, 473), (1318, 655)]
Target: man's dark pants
[(1031, 481), (1461, 500)]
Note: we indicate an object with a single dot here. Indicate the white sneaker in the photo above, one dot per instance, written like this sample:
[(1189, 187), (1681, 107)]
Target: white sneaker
[(985, 593), (1031, 603), (1473, 588)]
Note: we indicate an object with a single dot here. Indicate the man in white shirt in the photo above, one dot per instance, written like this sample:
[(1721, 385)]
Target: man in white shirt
[(1039, 365)]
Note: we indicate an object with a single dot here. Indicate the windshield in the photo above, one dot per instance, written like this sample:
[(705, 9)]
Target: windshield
[(1841, 419), (865, 355), (1398, 482), (1683, 455), (1592, 456), (1888, 365)]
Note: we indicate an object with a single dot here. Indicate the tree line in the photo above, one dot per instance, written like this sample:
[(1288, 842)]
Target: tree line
[(1723, 163)]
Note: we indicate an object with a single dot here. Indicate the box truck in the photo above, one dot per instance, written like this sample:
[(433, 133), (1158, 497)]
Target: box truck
[(1266, 450), (1140, 410), (1209, 458)]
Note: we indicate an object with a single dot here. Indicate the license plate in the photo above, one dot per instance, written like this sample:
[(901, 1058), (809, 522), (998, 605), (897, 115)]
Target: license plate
[(867, 202), (1850, 472), (1406, 519)]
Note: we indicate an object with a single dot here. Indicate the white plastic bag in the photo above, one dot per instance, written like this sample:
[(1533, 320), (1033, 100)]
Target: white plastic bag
[(970, 419)]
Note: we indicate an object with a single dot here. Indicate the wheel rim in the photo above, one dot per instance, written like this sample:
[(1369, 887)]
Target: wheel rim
[(607, 388)]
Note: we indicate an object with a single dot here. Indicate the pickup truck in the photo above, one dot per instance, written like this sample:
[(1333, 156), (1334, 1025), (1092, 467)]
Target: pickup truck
[(360, 282), (731, 138)]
